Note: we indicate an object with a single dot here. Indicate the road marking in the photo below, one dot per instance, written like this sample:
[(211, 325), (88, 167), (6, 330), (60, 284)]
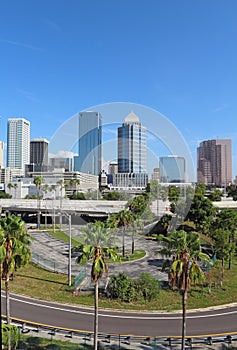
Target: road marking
[(121, 315)]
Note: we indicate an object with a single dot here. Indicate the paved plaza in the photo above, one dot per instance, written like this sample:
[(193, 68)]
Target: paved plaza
[(53, 253)]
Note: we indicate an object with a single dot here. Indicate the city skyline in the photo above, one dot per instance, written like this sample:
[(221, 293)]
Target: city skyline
[(157, 56), (153, 140)]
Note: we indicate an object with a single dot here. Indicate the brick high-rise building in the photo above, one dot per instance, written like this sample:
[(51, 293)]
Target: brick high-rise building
[(214, 162)]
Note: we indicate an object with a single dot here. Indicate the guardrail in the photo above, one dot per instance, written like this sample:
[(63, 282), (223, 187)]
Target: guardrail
[(122, 341)]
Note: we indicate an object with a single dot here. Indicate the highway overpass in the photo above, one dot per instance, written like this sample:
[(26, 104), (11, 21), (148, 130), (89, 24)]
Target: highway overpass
[(85, 209)]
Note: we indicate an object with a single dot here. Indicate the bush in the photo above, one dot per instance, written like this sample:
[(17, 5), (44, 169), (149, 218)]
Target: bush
[(11, 330), (147, 286), (5, 195), (112, 196), (124, 288), (77, 196)]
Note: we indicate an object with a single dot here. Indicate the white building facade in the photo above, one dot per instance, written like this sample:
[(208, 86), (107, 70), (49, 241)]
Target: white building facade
[(18, 143)]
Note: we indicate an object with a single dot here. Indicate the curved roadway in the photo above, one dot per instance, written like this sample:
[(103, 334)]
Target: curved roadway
[(199, 323)]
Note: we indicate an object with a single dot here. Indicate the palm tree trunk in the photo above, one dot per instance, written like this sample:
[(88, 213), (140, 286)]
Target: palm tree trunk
[(123, 242), (184, 305), (133, 245), (96, 295), (7, 289), (223, 270)]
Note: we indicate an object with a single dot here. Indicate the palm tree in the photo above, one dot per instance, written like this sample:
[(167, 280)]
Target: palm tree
[(186, 250), (9, 186), (15, 186), (38, 181), (14, 250), (124, 217), (96, 246)]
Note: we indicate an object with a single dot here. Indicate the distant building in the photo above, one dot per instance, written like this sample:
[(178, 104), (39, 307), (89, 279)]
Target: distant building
[(126, 181), (172, 169), (39, 154), (214, 162), (113, 168), (89, 152), (61, 163), (7, 174), (132, 154), (1, 154), (156, 174), (18, 143)]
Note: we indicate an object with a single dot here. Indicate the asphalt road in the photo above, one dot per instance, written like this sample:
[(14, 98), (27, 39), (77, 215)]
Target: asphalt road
[(206, 322)]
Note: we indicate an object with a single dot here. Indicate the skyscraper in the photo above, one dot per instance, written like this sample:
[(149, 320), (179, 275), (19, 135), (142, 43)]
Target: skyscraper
[(132, 156), (172, 169), (1, 153), (132, 146), (39, 154), (18, 143), (89, 158), (214, 162)]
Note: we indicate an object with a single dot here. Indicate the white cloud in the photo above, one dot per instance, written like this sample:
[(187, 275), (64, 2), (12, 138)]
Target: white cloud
[(62, 154), (20, 44)]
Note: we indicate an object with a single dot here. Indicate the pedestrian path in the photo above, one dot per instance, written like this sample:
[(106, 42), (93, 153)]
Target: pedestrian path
[(56, 251)]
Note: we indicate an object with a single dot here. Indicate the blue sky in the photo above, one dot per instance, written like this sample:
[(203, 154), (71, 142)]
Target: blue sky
[(59, 57)]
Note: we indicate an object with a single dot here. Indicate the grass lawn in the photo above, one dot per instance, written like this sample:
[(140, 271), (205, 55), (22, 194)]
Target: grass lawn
[(38, 283)]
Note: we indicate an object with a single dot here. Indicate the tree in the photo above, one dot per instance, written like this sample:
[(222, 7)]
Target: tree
[(112, 196), (186, 250), (15, 186), (173, 193), (74, 182), (226, 220), (38, 181), (96, 247), (202, 213), (9, 186), (162, 226), (14, 250), (215, 196), (124, 218), (138, 205)]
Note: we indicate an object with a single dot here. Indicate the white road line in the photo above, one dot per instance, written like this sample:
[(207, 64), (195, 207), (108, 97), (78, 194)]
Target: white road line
[(120, 315)]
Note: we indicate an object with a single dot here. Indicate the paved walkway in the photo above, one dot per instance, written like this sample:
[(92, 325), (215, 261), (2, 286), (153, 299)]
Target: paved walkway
[(53, 253)]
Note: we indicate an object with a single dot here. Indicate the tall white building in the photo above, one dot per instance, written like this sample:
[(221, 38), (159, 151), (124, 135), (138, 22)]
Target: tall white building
[(18, 143)]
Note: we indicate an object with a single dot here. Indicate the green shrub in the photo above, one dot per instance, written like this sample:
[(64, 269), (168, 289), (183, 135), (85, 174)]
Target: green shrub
[(8, 329), (124, 288), (148, 286)]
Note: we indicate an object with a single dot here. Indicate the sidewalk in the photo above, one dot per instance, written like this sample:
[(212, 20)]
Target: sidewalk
[(56, 251)]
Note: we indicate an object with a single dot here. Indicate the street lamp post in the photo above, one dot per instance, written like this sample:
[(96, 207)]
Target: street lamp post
[(69, 217), (69, 253)]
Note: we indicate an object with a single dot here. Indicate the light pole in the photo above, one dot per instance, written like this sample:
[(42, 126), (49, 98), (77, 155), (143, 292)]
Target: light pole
[(69, 217), (69, 253)]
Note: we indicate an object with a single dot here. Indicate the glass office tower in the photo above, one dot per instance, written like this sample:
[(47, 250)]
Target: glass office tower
[(172, 169), (132, 157), (89, 152)]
